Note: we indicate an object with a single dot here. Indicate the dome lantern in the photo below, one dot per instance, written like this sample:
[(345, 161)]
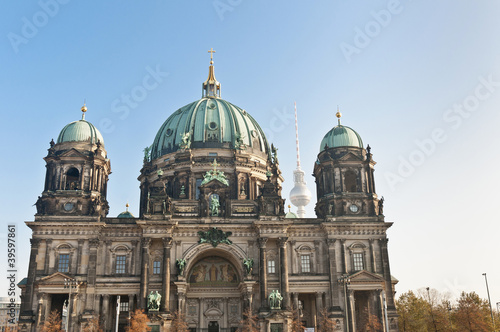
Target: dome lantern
[(211, 87)]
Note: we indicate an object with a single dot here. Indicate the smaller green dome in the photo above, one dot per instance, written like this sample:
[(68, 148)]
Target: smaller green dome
[(125, 214), (341, 136), (80, 131)]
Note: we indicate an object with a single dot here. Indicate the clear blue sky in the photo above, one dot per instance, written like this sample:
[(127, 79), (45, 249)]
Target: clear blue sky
[(418, 80)]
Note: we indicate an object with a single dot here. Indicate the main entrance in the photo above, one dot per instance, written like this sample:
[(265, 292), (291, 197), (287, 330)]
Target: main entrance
[(213, 326), (214, 297)]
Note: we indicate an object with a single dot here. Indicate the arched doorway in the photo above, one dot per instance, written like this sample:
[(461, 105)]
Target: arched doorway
[(214, 296)]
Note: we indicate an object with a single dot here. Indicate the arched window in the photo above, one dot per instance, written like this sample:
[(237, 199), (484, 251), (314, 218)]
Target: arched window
[(72, 179), (350, 181)]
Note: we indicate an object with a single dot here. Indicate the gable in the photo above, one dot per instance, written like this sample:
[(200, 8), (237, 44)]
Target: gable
[(55, 278), (365, 276)]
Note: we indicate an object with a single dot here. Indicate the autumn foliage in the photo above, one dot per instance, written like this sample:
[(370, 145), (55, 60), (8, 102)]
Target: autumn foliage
[(52, 323), (432, 311), (179, 323), (138, 322), (249, 322)]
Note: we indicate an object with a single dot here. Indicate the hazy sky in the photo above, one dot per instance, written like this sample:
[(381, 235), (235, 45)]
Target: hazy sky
[(418, 80)]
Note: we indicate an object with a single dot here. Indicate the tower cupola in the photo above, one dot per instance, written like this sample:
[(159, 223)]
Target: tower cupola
[(345, 184)]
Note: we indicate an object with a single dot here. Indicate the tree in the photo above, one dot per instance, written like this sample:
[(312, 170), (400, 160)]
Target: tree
[(138, 322), (373, 324), (296, 324), (179, 323), (52, 323), (325, 323), (412, 311), (249, 322), (92, 325), (472, 313)]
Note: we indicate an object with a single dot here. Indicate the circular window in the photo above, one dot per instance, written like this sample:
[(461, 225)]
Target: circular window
[(169, 132), (254, 134), (212, 125), (68, 206), (211, 105)]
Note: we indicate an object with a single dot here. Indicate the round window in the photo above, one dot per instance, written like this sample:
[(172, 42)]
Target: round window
[(212, 125), (169, 132)]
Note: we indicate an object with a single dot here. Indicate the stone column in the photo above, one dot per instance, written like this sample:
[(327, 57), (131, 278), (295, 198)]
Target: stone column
[(294, 257), (131, 306), (352, 311), (262, 272), (376, 257), (79, 256), (317, 255), (319, 302), (372, 257), (167, 245), (48, 249), (28, 305), (295, 301), (133, 254), (387, 274), (42, 302), (105, 319), (144, 272), (284, 273), (334, 295), (344, 257)]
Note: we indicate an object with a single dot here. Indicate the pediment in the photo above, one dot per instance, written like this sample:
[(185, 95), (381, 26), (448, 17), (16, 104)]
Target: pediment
[(214, 184), (350, 157), (365, 276), (72, 153), (55, 278)]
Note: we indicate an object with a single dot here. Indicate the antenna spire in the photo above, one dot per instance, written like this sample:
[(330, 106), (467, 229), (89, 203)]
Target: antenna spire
[(297, 135)]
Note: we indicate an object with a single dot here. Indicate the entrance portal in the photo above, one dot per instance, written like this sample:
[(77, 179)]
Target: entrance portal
[(213, 326)]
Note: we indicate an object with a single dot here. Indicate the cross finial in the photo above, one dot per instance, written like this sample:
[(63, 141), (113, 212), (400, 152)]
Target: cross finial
[(211, 51), (214, 164)]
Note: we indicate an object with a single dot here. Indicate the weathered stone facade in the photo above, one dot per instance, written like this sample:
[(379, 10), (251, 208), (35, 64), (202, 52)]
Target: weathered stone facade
[(212, 239)]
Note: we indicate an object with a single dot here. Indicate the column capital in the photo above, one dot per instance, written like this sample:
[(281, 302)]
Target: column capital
[(331, 242), (94, 243), (145, 242), (282, 241), (35, 242), (81, 242), (167, 242), (48, 241), (262, 242)]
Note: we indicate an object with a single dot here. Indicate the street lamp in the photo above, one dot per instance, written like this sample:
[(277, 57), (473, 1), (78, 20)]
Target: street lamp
[(345, 280), (448, 306), (70, 284), (489, 300), (432, 313)]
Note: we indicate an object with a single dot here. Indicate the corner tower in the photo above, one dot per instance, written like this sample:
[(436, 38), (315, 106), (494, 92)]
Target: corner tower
[(344, 176), (77, 173)]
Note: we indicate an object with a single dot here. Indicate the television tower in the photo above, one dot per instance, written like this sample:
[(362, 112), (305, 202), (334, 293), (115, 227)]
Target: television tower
[(300, 195)]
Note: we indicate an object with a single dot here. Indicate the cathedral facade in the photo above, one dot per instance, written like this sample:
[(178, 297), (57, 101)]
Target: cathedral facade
[(212, 238)]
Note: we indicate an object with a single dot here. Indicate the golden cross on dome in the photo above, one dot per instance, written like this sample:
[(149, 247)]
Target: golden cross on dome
[(211, 51)]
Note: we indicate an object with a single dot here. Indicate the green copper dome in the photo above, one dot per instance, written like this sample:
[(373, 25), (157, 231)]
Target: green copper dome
[(80, 131), (125, 214), (340, 136), (209, 123)]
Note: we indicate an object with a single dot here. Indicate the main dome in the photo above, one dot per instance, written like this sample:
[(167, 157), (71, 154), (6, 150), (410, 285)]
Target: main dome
[(211, 123)]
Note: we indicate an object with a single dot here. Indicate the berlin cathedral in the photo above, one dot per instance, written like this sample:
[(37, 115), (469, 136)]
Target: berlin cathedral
[(212, 238)]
